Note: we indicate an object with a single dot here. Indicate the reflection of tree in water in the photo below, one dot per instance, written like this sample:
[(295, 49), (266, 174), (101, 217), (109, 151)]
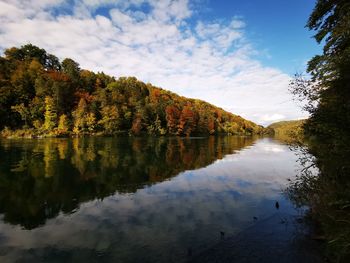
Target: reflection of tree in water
[(40, 178), (323, 185)]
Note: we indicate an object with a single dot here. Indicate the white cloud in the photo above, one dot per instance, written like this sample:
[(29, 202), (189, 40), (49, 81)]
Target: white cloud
[(120, 19), (273, 117), (210, 60)]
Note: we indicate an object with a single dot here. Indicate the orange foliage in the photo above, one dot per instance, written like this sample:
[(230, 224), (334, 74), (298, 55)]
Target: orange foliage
[(172, 117), (154, 95), (136, 126), (57, 76), (211, 126), (83, 95), (188, 121)]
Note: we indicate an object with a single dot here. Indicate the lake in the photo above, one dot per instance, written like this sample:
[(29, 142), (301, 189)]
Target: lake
[(135, 199)]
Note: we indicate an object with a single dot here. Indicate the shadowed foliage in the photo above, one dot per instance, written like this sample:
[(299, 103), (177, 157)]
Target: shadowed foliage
[(325, 181)]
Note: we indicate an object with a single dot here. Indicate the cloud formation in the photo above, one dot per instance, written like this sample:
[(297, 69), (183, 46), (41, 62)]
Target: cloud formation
[(163, 42)]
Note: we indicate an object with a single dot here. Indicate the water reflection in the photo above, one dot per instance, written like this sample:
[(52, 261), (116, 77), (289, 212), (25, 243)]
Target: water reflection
[(40, 178), (124, 208)]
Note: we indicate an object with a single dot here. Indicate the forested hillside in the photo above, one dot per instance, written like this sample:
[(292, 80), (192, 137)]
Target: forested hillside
[(41, 96), (288, 129)]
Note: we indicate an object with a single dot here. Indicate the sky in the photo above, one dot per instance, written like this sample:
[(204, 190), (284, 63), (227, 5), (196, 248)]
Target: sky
[(238, 55)]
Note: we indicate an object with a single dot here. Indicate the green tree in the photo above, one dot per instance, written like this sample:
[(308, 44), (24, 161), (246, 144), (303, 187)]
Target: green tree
[(110, 120), (27, 52), (52, 63), (327, 93), (88, 79), (72, 69), (23, 111), (79, 116), (328, 90), (50, 114)]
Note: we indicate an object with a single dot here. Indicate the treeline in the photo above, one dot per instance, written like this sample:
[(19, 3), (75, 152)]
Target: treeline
[(42, 96), (327, 93)]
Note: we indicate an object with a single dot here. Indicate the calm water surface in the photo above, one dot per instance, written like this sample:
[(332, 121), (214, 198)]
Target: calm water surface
[(134, 200)]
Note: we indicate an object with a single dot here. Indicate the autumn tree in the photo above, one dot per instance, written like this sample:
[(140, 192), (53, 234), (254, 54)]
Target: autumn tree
[(50, 114), (79, 116), (91, 122), (63, 124), (172, 118), (188, 121), (136, 125), (110, 120)]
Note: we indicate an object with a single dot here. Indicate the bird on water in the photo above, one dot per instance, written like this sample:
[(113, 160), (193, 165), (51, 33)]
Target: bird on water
[(222, 234), (277, 205)]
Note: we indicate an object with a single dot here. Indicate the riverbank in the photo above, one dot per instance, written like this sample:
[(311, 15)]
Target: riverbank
[(32, 133)]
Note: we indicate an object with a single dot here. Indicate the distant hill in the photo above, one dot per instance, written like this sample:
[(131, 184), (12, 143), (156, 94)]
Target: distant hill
[(291, 129), (41, 96)]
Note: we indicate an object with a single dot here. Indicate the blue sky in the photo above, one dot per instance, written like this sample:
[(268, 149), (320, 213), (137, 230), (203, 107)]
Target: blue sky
[(274, 26), (239, 55)]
